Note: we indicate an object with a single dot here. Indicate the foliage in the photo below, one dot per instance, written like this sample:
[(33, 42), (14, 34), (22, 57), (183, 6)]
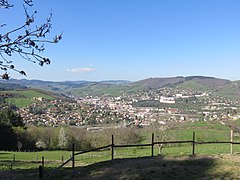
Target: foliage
[(147, 103), (165, 134), (62, 139), (79, 137), (11, 118), (55, 138), (45, 134), (24, 136), (40, 144), (49, 137), (8, 137), (25, 41), (35, 110), (121, 136), (127, 136)]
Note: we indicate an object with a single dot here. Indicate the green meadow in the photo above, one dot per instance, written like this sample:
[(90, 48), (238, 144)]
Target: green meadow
[(204, 132), (25, 164), (23, 98)]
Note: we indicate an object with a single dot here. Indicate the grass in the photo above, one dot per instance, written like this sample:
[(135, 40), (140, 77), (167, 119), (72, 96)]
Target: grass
[(202, 125), (26, 163), (204, 131), (158, 167), (237, 122), (202, 135), (27, 160), (193, 86), (230, 92), (25, 97), (20, 102)]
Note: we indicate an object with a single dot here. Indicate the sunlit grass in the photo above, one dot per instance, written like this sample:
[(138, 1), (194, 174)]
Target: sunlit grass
[(25, 97), (28, 160), (204, 131)]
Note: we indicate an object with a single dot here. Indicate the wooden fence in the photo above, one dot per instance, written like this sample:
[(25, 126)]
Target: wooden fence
[(112, 146)]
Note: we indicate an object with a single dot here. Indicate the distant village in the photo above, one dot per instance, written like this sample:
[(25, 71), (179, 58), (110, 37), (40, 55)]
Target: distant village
[(143, 108)]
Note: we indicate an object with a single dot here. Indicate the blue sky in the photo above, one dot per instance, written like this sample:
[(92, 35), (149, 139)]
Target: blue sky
[(137, 39)]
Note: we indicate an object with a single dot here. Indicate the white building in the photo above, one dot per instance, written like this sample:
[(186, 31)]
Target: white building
[(169, 100)]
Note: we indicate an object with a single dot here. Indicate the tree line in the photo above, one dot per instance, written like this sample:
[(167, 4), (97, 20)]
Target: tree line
[(15, 135)]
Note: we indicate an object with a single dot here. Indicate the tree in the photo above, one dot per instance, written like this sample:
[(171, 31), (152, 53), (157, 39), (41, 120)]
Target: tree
[(40, 144), (48, 136), (11, 118), (62, 139), (9, 122), (26, 41), (19, 146), (8, 137)]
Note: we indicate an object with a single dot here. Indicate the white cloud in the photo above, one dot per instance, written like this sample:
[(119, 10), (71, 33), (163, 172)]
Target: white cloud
[(80, 70)]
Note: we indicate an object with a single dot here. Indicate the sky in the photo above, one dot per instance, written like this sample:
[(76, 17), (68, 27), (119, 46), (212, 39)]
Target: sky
[(135, 39)]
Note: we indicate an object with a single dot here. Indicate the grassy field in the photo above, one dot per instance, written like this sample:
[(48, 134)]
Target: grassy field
[(134, 165), (193, 86), (23, 98), (25, 164), (28, 160)]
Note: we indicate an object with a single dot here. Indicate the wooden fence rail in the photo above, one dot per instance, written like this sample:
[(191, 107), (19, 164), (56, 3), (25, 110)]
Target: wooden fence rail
[(112, 146), (91, 150)]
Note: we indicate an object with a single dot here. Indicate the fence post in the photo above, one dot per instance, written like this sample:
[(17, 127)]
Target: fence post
[(40, 169), (152, 144), (14, 158), (43, 161), (73, 157), (62, 158), (193, 144), (112, 147), (231, 144)]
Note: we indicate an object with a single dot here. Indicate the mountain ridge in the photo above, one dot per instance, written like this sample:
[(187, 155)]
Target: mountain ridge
[(116, 87), (203, 80)]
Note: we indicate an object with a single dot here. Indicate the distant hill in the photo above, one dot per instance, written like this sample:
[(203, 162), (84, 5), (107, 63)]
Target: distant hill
[(209, 82), (117, 82), (221, 87), (78, 88), (4, 85), (153, 83)]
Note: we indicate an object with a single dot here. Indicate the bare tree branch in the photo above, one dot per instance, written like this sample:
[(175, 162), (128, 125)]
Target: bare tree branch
[(26, 41), (5, 4)]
